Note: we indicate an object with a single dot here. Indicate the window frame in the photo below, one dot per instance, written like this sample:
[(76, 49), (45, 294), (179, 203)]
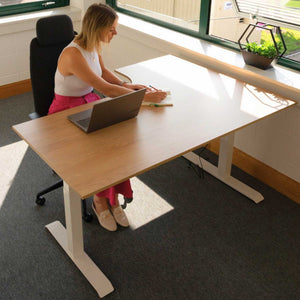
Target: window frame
[(29, 7), (265, 18), (202, 33)]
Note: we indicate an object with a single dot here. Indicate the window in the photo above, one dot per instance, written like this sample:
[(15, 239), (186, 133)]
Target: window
[(181, 15), (222, 21), (185, 13), (10, 7)]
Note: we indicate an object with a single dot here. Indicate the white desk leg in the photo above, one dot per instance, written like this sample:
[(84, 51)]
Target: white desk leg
[(222, 172), (71, 240)]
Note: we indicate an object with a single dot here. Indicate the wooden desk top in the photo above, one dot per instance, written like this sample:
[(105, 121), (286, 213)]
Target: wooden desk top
[(207, 105)]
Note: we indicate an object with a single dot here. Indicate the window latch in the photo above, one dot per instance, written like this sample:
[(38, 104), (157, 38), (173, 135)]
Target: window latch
[(48, 3)]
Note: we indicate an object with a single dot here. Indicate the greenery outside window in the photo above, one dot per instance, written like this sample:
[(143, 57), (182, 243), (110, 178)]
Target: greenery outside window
[(11, 7), (222, 21)]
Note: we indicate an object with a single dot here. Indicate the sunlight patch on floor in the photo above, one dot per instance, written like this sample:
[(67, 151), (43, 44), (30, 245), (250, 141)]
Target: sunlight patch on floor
[(146, 205), (10, 159)]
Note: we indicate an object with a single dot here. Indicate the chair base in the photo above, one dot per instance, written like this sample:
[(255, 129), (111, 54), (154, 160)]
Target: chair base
[(34, 115)]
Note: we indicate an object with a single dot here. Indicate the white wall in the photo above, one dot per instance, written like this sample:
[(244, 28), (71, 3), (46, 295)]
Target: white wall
[(17, 32), (274, 141), (14, 54)]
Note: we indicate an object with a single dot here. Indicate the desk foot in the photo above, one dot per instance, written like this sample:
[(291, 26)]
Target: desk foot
[(229, 180), (89, 269)]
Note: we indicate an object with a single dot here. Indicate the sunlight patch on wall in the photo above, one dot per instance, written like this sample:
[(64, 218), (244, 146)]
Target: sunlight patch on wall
[(146, 205), (10, 159)]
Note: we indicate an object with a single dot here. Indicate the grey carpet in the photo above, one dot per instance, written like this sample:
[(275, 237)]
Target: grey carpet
[(214, 244)]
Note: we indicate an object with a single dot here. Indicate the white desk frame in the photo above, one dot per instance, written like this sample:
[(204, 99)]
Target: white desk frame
[(223, 171), (71, 240)]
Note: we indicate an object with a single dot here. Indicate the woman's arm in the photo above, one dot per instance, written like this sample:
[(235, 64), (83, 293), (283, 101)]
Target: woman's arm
[(152, 94), (71, 62)]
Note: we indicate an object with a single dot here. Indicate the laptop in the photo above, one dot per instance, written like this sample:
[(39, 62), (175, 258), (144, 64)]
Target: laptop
[(109, 111)]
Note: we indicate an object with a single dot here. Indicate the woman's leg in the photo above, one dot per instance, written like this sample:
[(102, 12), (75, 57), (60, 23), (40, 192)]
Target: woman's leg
[(117, 203), (100, 204), (119, 213), (101, 209)]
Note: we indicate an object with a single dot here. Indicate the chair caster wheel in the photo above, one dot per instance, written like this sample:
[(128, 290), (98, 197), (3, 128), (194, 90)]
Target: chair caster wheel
[(88, 218), (40, 200)]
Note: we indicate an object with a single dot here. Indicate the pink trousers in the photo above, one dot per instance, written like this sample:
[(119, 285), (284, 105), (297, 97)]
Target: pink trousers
[(64, 102)]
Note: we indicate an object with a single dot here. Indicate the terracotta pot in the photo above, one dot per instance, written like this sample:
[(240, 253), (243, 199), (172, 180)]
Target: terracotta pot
[(256, 60)]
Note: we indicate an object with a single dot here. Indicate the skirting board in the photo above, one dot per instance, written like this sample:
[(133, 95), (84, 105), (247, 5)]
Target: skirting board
[(245, 162), (262, 172), (16, 88)]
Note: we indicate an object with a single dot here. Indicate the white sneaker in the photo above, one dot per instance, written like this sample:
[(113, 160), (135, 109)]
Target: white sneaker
[(120, 216), (105, 219)]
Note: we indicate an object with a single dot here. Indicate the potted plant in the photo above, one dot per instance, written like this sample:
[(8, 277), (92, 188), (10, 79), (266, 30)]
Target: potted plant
[(262, 55)]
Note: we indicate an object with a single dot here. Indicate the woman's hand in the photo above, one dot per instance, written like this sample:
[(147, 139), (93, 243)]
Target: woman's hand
[(152, 94), (155, 95), (136, 86)]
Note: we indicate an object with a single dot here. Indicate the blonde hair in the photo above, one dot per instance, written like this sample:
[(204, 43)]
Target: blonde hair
[(97, 18)]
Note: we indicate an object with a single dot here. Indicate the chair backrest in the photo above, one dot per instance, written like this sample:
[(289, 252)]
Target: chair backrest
[(54, 33)]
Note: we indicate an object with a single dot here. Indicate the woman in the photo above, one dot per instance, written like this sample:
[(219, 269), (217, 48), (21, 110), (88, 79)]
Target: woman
[(80, 69)]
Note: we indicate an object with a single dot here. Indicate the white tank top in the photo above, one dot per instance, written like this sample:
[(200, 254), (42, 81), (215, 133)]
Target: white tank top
[(71, 85)]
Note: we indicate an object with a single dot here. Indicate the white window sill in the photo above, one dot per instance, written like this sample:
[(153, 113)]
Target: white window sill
[(188, 47), (27, 21)]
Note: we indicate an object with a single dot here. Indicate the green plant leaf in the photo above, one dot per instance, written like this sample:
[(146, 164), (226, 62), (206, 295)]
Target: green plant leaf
[(266, 49)]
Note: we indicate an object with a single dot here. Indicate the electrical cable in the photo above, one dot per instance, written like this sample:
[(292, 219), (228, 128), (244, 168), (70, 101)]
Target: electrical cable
[(198, 169)]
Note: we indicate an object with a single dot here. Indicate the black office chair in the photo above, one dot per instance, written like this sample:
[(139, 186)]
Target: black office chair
[(54, 33)]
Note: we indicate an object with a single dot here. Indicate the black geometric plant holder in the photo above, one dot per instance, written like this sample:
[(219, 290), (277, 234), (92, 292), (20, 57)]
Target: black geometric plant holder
[(257, 60)]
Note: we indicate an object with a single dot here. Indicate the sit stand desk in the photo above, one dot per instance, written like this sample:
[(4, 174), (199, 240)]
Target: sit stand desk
[(207, 105)]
